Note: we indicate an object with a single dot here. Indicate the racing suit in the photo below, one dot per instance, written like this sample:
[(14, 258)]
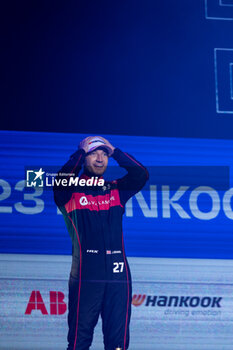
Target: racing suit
[(100, 280)]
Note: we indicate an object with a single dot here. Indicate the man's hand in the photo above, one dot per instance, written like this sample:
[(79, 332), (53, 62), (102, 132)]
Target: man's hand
[(108, 144), (84, 143)]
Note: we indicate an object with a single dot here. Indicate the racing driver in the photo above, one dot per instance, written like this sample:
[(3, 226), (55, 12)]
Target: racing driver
[(100, 280)]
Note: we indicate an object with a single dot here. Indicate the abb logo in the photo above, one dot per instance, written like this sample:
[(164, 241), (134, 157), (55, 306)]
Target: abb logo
[(57, 304)]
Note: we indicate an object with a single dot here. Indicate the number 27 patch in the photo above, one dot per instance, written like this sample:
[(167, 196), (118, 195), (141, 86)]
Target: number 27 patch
[(118, 267)]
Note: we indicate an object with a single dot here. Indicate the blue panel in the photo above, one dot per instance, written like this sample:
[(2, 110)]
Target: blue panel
[(163, 220)]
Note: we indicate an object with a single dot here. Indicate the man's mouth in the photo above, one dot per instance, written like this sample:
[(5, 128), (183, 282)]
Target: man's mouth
[(98, 166)]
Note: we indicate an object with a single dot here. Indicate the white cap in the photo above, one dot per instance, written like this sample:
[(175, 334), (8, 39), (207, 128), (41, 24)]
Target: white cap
[(96, 142)]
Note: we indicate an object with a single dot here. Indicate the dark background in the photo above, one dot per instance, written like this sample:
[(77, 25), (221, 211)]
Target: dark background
[(112, 67)]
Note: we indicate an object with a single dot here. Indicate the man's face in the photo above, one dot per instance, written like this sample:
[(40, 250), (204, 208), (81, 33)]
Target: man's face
[(96, 162)]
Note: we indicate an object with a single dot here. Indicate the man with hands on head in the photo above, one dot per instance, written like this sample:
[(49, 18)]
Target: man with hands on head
[(100, 280)]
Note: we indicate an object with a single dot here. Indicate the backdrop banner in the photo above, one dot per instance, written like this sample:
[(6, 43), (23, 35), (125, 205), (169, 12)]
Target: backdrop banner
[(177, 303), (178, 237)]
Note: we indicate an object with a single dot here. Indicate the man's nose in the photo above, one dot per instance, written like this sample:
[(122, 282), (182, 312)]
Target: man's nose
[(99, 158)]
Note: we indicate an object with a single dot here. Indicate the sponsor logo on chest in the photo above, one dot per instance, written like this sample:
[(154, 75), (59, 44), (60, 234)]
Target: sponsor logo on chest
[(93, 203), (84, 201)]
